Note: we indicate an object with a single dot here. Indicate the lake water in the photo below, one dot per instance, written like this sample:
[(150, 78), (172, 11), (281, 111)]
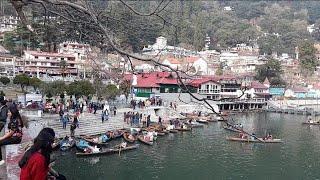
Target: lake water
[(205, 153)]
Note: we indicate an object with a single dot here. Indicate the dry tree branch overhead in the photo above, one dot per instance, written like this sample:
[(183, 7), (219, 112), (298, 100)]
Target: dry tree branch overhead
[(86, 16)]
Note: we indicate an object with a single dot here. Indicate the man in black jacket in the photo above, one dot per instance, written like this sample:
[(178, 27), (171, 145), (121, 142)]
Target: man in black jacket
[(3, 112)]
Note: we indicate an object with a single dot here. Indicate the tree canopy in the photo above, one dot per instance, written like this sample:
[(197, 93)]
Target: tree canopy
[(4, 80), (23, 80), (80, 88), (307, 59), (264, 23), (271, 70)]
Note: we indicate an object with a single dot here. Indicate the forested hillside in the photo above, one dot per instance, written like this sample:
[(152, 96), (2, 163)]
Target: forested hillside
[(276, 26)]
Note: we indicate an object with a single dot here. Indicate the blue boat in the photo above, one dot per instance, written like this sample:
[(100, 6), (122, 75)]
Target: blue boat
[(67, 143)]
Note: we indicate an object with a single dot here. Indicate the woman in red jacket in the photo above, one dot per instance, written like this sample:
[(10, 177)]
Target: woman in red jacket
[(35, 162)]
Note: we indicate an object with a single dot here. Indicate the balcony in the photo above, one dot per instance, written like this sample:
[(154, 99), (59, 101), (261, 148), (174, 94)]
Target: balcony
[(208, 91)]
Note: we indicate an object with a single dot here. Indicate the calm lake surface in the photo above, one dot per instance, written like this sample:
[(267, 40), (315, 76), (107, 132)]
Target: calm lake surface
[(204, 154)]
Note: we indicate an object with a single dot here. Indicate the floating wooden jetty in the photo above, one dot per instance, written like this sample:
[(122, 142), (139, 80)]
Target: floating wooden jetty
[(306, 112)]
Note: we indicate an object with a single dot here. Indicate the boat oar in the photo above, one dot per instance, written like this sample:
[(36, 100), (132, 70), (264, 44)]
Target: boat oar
[(120, 150), (245, 132)]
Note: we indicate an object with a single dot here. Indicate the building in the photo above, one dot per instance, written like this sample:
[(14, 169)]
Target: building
[(38, 62), (172, 62), (8, 23), (81, 52), (217, 87), (296, 92), (7, 62), (258, 90), (160, 47), (149, 84)]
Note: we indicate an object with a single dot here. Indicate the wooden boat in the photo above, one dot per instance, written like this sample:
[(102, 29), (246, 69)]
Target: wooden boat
[(81, 144), (311, 123), (113, 150), (117, 134), (92, 141), (195, 125), (254, 140), (126, 137), (173, 131), (141, 139), (67, 143), (56, 144), (160, 133), (230, 128), (203, 121), (183, 129), (212, 120), (221, 119)]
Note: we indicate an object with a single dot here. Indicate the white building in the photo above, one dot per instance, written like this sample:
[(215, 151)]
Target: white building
[(310, 28), (38, 62), (80, 51), (8, 23), (172, 62), (161, 48)]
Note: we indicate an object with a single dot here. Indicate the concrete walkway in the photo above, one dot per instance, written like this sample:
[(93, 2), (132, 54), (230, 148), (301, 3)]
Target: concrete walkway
[(89, 124)]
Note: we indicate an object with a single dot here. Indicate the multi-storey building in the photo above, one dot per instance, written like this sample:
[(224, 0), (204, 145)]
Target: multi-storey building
[(37, 62)]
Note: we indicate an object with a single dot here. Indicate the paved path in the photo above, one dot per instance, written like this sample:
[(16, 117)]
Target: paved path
[(89, 124)]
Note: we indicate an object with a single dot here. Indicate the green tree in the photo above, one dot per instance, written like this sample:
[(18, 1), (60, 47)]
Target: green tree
[(53, 89), (124, 88), (22, 79), (35, 82), (272, 70), (111, 91), (4, 80), (80, 88), (2, 93), (307, 58), (219, 71), (63, 67)]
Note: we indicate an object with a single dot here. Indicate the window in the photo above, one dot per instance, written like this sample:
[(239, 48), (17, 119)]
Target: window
[(208, 97), (47, 57), (36, 57)]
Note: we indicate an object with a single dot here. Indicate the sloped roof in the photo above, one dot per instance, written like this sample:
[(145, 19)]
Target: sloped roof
[(173, 60), (153, 79), (299, 89), (3, 50), (191, 59), (266, 81), (257, 85), (48, 54)]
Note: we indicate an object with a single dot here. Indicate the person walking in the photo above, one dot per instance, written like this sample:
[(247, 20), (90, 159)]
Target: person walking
[(95, 108), (76, 120), (114, 111), (160, 121), (61, 113), (106, 115), (148, 120), (102, 116), (65, 119), (73, 127)]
